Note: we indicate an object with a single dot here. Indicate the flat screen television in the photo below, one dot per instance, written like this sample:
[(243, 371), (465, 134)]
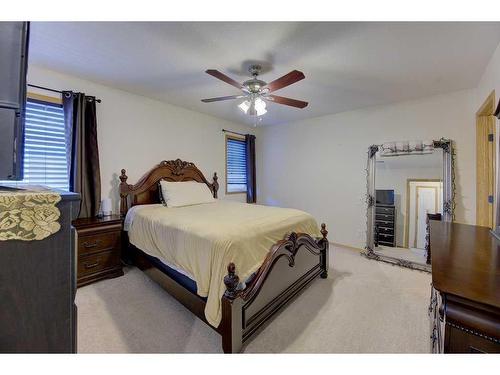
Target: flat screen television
[(13, 68), (384, 197)]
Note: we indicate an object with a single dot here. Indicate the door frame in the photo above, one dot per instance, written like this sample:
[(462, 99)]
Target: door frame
[(407, 208), (486, 162)]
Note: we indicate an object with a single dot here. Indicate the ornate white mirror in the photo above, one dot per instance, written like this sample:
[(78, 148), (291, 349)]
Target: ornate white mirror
[(408, 184)]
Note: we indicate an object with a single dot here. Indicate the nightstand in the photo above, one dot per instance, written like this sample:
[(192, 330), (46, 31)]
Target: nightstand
[(99, 248)]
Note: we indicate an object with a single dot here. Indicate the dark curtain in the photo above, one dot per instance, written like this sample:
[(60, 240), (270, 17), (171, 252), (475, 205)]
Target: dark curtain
[(82, 152), (250, 156)]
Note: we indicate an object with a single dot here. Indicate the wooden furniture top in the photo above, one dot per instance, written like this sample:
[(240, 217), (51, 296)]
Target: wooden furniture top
[(466, 262), (96, 221)]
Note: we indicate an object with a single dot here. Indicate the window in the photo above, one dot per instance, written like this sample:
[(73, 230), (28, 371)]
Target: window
[(236, 165), (45, 145)]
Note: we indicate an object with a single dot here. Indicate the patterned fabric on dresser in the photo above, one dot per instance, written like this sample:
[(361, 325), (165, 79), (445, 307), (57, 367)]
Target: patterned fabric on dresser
[(28, 215)]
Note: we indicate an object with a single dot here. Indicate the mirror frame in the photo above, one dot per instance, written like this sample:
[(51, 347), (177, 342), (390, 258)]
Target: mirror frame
[(448, 201)]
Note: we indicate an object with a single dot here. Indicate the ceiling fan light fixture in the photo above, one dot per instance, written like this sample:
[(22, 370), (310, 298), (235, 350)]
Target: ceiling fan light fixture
[(253, 107), (256, 90), (260, 106), (244, 106), (252, 111)]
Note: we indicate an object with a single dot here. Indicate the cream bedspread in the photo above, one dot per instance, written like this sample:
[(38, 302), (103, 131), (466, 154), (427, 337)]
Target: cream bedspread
[(203, 239)]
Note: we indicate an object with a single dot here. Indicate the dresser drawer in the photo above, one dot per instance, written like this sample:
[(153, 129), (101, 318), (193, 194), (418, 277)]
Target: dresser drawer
[(384, 221), (387, 216), (98, 242), (385, 230), (384, 210), (97, 262)]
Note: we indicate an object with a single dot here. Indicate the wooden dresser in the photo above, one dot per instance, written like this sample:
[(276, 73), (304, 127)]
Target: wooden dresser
[(385, 225), (99, 248), (37, 289), (465, 296)]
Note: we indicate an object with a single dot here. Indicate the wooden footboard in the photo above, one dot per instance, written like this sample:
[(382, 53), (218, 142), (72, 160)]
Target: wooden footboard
[(291, 265)]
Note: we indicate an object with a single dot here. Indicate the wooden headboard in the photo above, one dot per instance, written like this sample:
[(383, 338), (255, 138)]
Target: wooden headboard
[(145, 191)]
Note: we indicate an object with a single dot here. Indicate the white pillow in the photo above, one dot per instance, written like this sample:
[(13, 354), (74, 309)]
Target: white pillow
[(185, 193)]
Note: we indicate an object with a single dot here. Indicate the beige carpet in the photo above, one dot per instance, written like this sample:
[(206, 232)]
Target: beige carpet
[(363, 307)]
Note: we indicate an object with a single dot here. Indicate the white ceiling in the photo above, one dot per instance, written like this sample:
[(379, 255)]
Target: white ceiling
[(347, 65)]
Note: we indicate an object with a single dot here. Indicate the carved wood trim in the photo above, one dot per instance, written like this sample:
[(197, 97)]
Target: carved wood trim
[(170, 170), (288, 248), (236, 326)]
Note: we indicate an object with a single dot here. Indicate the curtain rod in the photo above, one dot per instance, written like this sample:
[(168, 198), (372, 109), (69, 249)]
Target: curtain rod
[(229, 131), (48, 89)]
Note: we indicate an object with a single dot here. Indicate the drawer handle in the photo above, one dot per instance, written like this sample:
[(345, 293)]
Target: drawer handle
[(89, 245), (91, 265)]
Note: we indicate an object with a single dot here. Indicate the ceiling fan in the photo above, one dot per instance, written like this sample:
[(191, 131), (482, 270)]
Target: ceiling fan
[(256, 92)]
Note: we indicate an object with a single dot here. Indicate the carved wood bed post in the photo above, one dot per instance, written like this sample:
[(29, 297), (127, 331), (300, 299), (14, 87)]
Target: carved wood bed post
[(324, 253), (231, 323), (123, 193)]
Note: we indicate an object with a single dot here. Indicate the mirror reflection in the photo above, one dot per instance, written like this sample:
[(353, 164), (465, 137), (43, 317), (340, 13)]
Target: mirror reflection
[(408, 191)]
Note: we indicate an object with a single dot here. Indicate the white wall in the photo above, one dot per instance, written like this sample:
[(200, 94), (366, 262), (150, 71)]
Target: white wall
[(318, 165), (135, 133), (489, 81)]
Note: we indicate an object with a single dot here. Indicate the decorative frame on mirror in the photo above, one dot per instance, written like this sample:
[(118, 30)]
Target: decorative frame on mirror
[(448, 201)]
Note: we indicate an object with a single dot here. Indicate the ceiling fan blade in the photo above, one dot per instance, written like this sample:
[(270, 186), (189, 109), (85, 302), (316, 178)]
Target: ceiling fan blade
[(287, 101), (225, 78), (220, 98), (286, 80)]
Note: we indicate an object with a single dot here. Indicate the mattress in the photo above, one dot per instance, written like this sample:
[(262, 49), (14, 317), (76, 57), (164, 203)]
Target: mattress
[(173, 273), (180, 276), (199, 241)]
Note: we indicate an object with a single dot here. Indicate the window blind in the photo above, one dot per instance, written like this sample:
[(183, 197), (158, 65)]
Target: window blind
[(236, 166), (45, 145)]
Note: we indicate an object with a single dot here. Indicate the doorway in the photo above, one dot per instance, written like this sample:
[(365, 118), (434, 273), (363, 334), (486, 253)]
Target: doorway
[(485, 162), (424, 197)]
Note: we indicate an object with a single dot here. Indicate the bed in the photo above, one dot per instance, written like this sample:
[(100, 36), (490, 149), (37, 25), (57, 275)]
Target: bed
[(233, 265)]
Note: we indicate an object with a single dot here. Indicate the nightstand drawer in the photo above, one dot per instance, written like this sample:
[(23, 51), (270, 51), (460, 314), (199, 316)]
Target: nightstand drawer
[(99, 248), (94, 263), (98, 242)]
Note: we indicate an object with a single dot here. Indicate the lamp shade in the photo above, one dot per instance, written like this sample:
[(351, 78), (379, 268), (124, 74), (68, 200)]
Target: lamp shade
[(254, 107)]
